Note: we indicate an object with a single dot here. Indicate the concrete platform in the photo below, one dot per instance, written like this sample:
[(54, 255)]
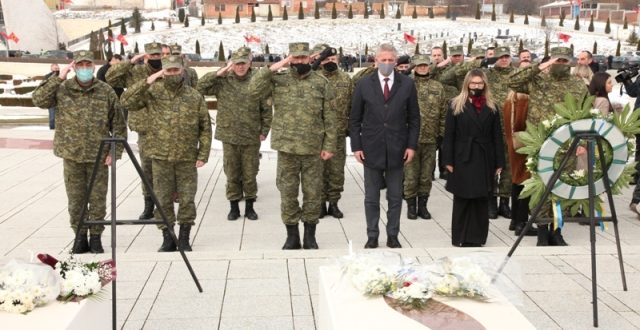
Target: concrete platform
[(250, 283)]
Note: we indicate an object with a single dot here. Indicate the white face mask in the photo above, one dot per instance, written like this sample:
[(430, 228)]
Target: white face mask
[(386, 68)]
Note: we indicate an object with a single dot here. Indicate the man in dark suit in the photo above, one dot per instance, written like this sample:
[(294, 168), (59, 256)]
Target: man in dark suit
[(384, 126)]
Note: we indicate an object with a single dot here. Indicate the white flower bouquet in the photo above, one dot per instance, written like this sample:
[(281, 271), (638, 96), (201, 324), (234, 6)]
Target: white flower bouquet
[(459, 277), (25, 286)]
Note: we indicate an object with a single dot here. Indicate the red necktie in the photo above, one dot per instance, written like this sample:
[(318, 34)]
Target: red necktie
[(386, 89)]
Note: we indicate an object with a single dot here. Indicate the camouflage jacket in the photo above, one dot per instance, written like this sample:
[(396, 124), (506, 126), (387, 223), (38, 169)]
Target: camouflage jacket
[(362, 73), (239, 120), (180, 126), (125, 74), (343, 88), (304, 120), (191, 77), (499, 82), (544, 91), (433, 108), (83, 117)]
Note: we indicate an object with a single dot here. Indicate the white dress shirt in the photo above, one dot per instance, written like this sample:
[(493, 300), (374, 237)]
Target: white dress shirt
[(390, 82)]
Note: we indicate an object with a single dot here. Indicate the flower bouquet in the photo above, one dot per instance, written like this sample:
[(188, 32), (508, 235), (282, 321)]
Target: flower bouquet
[(459, 277), (25, 286)]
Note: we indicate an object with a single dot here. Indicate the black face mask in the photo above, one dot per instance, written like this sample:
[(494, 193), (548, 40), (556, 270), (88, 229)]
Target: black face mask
[(301, 68), (156, 64), (421, 75), (405, 72), (476, 91), (330, 67)]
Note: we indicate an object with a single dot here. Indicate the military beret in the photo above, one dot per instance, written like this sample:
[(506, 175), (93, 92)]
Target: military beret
[(403, 59), (241, 55), (502, 51), (153, 48), (477, 52), (456, 50), (421, 59), (561, 52), (175, 49), (299, 49), (172, 61), (83, 55)]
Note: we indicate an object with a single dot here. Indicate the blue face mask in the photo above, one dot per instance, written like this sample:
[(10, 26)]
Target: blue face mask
[(84, 75)]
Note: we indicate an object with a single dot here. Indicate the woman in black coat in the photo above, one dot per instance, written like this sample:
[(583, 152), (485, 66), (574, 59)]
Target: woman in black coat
[(473, 154)]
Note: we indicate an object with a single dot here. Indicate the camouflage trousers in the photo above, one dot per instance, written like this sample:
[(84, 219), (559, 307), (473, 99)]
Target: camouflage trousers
[(241, 164), (418, 173), (294, 170), (145, 163), (76, 181), (179, 176), (333, 174)]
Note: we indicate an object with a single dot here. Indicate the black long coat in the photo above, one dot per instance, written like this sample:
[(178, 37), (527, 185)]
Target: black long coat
[(383, 131), (473, 146)]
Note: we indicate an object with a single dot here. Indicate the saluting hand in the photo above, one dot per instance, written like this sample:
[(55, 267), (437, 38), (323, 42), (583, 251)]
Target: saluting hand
[(136, 58), (279, 65), (152, 78), (65, 71), (222, 71)]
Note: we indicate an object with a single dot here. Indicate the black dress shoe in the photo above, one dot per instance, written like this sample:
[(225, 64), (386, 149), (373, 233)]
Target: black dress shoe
[(372, 243), (392, 242), (520, 226)]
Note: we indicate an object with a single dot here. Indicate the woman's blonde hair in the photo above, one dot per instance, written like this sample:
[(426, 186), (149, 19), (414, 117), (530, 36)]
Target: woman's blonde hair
[(459, 101)]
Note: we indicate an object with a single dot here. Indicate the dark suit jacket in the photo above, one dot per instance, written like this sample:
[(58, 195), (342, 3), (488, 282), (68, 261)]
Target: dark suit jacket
[(383, 131)]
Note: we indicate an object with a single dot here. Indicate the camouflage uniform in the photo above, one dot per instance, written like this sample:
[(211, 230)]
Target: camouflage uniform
[(304, 124), (180, 134), (239, 124), (190, 75), (83, 118)]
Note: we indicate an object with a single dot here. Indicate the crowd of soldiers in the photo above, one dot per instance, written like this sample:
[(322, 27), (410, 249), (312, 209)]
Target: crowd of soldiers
[(303, 100)]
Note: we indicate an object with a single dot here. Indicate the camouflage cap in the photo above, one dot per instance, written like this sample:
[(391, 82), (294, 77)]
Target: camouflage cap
[(172, 61), (477, 52), (153, 48), (319, 48), (299, 49), (421, 59), (502, 51), (83, 55), (456, 50), (175, 49), (241, 55), (561, 52)]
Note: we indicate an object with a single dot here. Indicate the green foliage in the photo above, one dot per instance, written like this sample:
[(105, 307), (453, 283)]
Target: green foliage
[(444, 49), (153, 26), (595, 48), (382, 11), (123, 28), (316, 12), (350, 14), (607, 28), (625, 25), (135, 49), (136, 20), (591, 28), (300, 11), (334, 12), (627, 121), (430, 12), (469, 45), (285, 16), (266, 49), (237, 14), (197, 47), (618, 49), (269, 15), (253, 14), (577, 25), (221, 57), (520, 46), (633, 38), (398, 14), (414, 15)]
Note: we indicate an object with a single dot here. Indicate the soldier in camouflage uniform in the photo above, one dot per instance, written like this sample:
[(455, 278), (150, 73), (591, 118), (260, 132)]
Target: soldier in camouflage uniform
[(180, 135), (126, 74), (544, 91), (241, 125), (303, 133), (450, 91), (333, 175), (88, 110), (190, 75), (433, 106)]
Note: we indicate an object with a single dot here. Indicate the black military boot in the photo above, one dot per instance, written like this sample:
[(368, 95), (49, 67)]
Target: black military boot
[(147, 213), (234, 213), (309, 240), (293, 238), (422, 207), (512, 225), (168, 244), (95, 244), (334, 211), (543, 235), (493, 207), (504, 209), (249, 212), (323, 210), (80, 243), (411, 208), (556, 238), (183, 238)]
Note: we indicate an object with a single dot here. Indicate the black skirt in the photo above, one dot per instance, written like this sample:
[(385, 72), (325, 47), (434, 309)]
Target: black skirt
[(470, 221)]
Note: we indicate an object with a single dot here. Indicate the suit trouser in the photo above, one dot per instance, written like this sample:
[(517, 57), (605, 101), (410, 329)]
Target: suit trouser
[(374, 180)]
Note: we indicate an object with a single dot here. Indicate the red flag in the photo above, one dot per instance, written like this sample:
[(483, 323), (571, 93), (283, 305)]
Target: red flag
[(564, 37), (67, 1), (13, 37), (255, 39), (247, 38), (122, 40), (109, 38), (409, 38)]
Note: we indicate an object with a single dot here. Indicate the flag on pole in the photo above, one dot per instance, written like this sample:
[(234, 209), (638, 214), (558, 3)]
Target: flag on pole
[(13, 37), (409, 38), (122, 40), (564, 37), (250, 39)]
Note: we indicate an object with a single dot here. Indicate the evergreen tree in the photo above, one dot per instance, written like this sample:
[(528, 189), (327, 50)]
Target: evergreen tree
[(123, 28), (366, 11), (571, 46), (121, 50), (186, 21), (638, 47), (633, 38), (430, 12), (350, 14), (382, 11), (624, 24), (221, 57), (285, 16), (334, 12), (543, 22), (266, 49), (153, 26), (202, 21), (595, 48), (237, 14), (577, 25), (269, 15), (300, 11), (136, 20), (493, 12), (414, 15), (135, 49), (316, 12), (469, 45), (618, 49), (520, 46), (591, 28), (93, 41), (444, 49), (169, 22), (197, 47), (181, 15), (366, 50), (417, 50), (562, 17), (546, 47), (511, 18), (398, 14), (448, 14), (253, 14), (340, 53), (478, 10), (607, 28), (109, 24), (526, 19)]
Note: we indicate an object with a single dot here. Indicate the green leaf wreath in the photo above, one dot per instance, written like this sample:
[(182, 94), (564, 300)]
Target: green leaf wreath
[(569, 111)]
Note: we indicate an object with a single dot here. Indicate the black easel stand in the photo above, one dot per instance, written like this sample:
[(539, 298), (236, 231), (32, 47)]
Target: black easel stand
[(590, 138), (112, 142)]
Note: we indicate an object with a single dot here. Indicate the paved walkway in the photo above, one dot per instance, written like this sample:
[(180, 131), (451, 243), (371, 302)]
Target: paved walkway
[(250, 283)]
